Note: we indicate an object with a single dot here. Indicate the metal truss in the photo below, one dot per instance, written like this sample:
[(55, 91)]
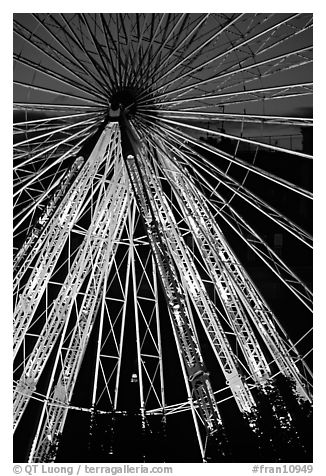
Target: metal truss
[(107, 224), (186, 336), (237, 291)]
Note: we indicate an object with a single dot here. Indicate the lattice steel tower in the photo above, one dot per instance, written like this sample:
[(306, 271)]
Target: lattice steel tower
[(133, 296)]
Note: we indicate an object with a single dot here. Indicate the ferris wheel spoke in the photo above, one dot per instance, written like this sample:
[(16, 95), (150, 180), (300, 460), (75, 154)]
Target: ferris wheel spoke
[(151, 70), (276, 92), (282, 39), (166, 171), (148, 54), (43, 181), (84, 44), (36, 203), (283, 62), (286, 366), (109, 47), (155, 43), (47, 72), (23, 152), (76, 49), (120, 61), (255, 94), (158, 55), (221, 153), (220, 116), (130, 47), (22, 172), (162, 172), (54, 29), (226, 53), (130, 61), (238, 161), (56, 145), (100, 52), (185, 273), (263, 207), (236, 138), (240, 191), (194, 52), (274, 262), (129, 52), (52, 133), (270, 33), (54, 55), (66, 155), (184, 406), (36, 124), (24, 185), (96, 67), (279, 67), (262, 249), (304, 92), (144, 71), (248, 24), (36, 237), (187, 67), (170, 56), (32, 106), (163, 40), (237, 188), (113, 61), (47, 179), (57, 92)]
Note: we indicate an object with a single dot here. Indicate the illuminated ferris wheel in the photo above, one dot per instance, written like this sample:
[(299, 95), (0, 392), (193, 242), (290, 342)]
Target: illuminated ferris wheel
[(156, 169)]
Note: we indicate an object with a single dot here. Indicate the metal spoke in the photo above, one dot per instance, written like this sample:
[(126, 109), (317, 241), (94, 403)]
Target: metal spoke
[(224, 96), (241, 139), (236, 187), (278, 59), (243, 164)]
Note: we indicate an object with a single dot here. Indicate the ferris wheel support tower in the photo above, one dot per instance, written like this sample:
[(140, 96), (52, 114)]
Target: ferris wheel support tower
[(128, 168)]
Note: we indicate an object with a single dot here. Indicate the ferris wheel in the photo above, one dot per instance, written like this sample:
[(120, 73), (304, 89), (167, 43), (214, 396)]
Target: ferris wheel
[(162, 234)]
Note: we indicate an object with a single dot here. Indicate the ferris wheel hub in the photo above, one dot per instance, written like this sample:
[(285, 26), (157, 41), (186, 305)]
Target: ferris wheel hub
[(125, 99)]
